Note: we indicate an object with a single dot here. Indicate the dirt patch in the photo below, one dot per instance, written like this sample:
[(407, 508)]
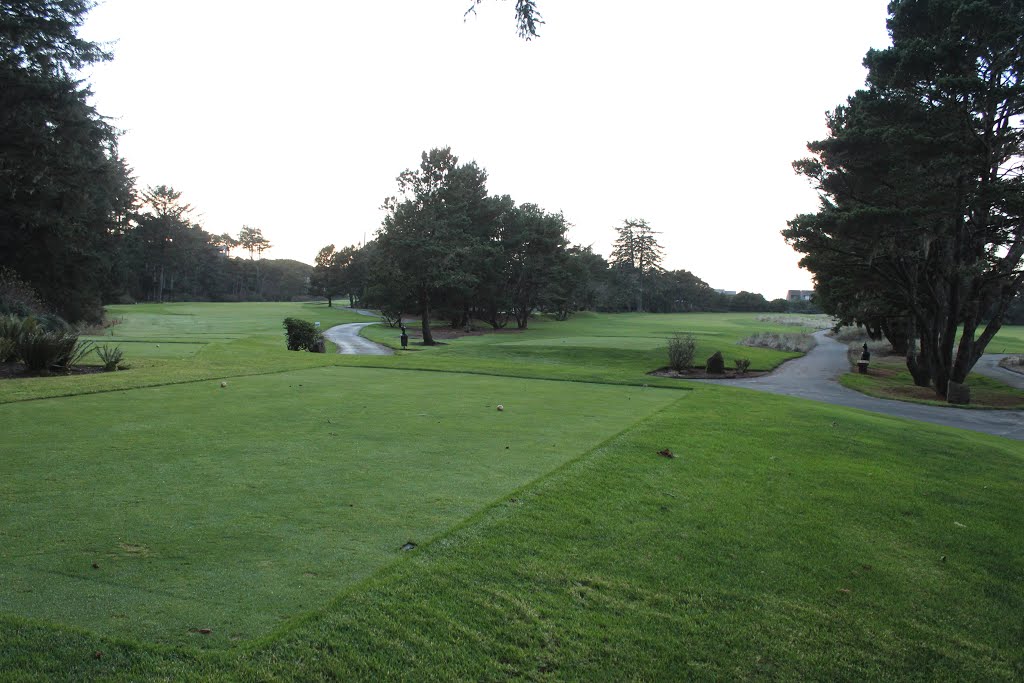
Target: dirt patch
[(700, 373), (17, 371)]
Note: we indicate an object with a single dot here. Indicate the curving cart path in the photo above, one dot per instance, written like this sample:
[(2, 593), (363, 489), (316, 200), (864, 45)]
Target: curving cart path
[(349, 342), (815, 376)]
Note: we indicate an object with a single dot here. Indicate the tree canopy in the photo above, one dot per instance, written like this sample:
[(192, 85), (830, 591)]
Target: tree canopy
[(528, 19), (920, 227)]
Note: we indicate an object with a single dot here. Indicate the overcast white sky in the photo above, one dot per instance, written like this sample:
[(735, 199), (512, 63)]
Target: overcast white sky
[(298, 120)]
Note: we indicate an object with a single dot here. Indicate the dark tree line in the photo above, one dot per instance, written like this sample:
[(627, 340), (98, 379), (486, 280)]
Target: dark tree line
[(919, 236), (73, 226), (448, 250)]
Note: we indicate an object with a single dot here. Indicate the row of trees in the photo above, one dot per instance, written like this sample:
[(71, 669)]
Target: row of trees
[(162, 254), (449, 250), (73, 226), (919, 236)]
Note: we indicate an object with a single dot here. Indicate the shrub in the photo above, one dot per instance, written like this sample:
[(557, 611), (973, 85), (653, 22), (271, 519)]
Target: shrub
[(392, 317), (302, 335), (742, 365), (794, 343), (816, 322), (42, 350), (715, 364), (17, 296), (681, 348), (111, 357), (11, 330)]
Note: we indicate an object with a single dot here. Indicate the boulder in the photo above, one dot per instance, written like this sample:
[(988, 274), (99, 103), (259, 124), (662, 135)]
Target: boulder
[(715, 364)]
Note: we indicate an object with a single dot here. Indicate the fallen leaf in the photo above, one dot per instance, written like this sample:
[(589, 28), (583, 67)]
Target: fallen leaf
[(666, 453)]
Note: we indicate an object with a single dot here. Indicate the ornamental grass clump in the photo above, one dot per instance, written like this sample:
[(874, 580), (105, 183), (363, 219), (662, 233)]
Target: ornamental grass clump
[(43, 350), (791, 342), (111, 357), (681, 348)]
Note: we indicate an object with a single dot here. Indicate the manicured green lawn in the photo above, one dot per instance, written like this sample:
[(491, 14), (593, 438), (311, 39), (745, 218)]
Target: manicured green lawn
[(592, 347), (239, 508), (889, 378), (787, 540)]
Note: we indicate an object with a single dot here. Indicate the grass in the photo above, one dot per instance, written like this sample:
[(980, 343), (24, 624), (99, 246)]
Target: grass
[(888, 377), (592, 347), (238, 508), (788, 540)]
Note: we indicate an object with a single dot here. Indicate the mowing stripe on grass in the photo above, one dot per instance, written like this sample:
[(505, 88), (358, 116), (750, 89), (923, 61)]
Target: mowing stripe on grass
[(240, 508)]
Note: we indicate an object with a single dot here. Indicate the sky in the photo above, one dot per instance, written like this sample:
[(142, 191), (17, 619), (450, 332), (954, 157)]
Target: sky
[(687, 115)]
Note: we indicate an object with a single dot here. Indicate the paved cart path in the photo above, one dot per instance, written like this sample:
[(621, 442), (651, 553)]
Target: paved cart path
[(348, 340), (816, 376)]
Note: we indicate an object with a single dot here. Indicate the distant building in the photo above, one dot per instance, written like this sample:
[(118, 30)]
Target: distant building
[(726, 292), (798, 295)]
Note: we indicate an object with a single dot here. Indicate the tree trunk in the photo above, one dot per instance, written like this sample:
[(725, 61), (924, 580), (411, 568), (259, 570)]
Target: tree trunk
[(329, 303), (428, 338), (896, 332)]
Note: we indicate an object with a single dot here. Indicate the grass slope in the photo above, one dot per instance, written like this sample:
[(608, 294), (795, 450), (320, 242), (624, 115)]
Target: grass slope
[(789, 539), (236, 509), (813, 543)]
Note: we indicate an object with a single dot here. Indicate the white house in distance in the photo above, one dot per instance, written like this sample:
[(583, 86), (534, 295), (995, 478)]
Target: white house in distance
[(798, 295)]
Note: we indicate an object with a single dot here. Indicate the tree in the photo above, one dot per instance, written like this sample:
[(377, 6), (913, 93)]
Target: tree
[(527, 17), (429, 226), (637, 252), (326, 280), (253, 241), (922, 187), (63, 185), (534, 245), (748, 301)]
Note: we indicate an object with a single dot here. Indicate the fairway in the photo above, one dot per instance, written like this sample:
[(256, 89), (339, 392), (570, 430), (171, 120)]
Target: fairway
[(237, 509), (189, 531)]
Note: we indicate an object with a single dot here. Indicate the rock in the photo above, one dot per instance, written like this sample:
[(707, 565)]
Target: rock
[(958, 394), (715, 364)]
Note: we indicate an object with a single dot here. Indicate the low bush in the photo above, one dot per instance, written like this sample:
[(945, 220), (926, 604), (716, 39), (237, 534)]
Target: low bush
[(17, 297), (681, 348), (850, 334), (791, 342), (816, 322), (12, 328), (1013, 362), (42, 350), (742, 365), (303, 335), (111, 357)]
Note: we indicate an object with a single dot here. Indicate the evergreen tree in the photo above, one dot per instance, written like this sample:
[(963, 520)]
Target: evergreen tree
[(62, 183), (922, 186)]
